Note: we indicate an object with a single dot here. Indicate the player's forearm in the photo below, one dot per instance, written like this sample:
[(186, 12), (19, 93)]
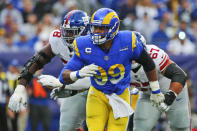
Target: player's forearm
[(152, 75), (65, 77), (35, 63), (176, 87)]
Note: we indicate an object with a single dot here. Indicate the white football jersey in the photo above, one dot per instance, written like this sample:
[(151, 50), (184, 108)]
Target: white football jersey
[(139, 78), (58, 46)]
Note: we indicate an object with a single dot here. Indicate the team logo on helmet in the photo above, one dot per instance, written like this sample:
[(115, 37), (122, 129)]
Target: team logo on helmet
[(108, 20)]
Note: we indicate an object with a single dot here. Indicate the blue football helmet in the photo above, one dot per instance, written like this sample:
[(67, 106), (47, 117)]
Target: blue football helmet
[(74, 24), (106, 19)]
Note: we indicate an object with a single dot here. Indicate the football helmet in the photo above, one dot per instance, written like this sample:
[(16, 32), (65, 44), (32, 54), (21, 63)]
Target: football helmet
[(107, 20), (73, 25)]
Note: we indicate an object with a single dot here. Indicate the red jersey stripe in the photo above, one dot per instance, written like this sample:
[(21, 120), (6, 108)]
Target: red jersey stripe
[(163, 60), (164, 64)]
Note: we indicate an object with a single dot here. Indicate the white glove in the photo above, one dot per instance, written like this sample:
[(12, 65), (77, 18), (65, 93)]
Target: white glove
[(134, 91), (18, 100), (48, 80), (60, 92), (86, 71), (163, 107), (157, 96)]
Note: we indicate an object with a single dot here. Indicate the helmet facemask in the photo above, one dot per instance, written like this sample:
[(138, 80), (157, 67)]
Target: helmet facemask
[(99, 38), (69, 34), (74, 25)]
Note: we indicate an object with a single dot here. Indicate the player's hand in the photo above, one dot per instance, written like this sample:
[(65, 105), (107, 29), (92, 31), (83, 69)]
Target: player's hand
[(87, 71), (60, 92), (48, 80), (156, 99), (157, 96), (18, 100), (163, 107), (170, 96)]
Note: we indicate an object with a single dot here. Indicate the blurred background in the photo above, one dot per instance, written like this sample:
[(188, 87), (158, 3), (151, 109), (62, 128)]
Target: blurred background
[(25, 26)]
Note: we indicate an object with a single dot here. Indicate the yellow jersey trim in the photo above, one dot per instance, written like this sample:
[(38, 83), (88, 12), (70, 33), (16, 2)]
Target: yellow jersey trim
[(76, 48), (133, 41)]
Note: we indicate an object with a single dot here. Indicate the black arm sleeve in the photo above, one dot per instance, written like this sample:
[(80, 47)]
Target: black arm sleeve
[(146, 61), (25, 73), (175, 73)]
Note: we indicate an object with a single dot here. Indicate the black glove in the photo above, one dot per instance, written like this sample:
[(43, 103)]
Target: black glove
[(170, 96)]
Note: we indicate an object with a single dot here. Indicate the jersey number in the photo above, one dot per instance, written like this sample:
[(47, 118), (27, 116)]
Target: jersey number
[(102, 78), (154, 53), (56, 34)]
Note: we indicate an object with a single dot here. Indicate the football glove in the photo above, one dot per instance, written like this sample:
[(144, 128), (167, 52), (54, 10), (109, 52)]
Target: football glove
[(60, 92), (170, 96), (163, 107), (48, 80), (18, 100), (157, 96), (86, 71)]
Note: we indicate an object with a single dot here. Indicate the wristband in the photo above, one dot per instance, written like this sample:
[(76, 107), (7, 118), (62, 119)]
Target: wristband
[(154, 85), (156, 92), (73, 76), (77, 75)]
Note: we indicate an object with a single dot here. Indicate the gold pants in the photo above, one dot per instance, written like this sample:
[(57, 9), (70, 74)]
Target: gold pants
[(99, 113)]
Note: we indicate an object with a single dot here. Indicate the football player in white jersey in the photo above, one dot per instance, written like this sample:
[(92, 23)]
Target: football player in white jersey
[(172, 83), (60, 43)]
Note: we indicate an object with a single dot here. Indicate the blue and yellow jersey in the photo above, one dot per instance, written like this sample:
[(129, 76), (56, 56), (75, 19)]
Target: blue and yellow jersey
[(113, 75)]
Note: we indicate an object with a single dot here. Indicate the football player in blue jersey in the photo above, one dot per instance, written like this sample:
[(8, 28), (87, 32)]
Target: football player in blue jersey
[(105, 56)]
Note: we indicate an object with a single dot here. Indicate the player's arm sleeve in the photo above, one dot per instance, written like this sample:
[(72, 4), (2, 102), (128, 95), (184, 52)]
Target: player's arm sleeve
[(73, 65), (146, 61), (140, 54), (175, 73), (80, 84), (35, 63)]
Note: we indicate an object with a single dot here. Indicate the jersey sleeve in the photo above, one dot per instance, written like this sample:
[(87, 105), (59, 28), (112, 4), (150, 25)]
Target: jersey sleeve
[(159, 57), (75, 63), (80, 84), (137, 47), (54, 37)]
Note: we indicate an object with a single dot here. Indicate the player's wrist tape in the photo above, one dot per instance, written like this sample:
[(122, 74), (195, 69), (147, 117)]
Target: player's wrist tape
[(74, 75), (77, 75), (156, 92), (154, 85)]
